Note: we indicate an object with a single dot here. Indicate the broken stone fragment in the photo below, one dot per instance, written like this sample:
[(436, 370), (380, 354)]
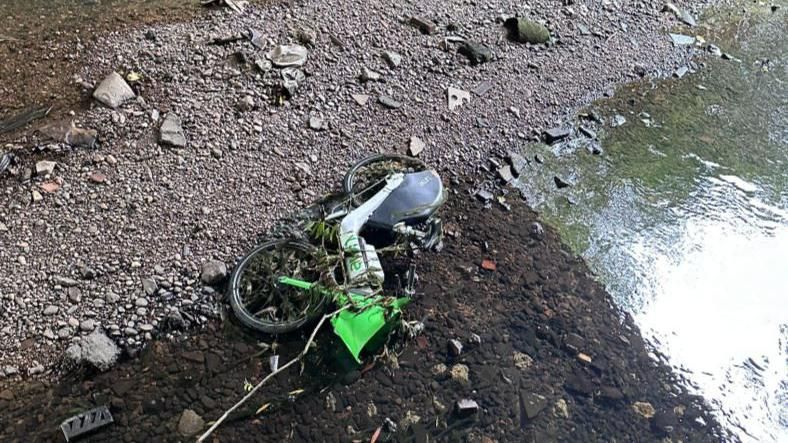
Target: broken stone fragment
[(455, 347), (392, 58), (171, 131), (113, 91), (45, 167), (456, 97), (523, 30), (416, 146), (423, 25)]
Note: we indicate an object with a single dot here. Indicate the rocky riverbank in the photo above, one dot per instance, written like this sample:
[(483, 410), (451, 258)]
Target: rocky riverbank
[(115, 236)]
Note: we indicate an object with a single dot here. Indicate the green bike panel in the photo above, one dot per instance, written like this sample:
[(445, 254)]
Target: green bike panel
[(367, 317)]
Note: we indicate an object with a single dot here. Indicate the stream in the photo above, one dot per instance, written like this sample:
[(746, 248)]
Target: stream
[(684, 216)]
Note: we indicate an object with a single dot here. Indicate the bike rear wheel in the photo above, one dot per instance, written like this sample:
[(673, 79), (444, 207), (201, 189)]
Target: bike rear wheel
[(367, 177), (257, 298)]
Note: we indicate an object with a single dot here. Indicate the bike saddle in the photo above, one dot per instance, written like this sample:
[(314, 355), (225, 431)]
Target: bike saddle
[(418, 197)]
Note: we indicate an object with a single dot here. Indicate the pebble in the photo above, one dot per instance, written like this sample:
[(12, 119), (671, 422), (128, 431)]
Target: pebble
[(113, 91), (51, 310), (389, 102), (459, 373)]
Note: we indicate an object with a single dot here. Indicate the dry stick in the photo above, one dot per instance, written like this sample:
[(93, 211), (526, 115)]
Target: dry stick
[(259, 385)]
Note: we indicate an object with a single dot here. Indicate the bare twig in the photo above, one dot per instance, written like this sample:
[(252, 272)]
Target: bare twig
[(251, 393)]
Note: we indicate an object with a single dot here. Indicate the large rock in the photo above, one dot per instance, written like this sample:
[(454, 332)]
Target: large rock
[(213, 272), (96, 349), (523, 30), (113, 91), (171, 131), (190, 423)]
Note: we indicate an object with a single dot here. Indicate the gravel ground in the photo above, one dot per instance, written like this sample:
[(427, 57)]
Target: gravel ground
[(121, 243)]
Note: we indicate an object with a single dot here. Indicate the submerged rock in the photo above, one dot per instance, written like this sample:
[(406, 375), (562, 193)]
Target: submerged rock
[(113, 91), (523, 30)]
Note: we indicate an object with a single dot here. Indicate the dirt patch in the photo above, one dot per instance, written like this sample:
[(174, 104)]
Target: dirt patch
[(552, 360)]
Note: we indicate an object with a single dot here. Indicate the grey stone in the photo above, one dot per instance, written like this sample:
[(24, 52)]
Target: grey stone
[(618, 120), (554, 135), (87, 325), (682, 40), (455, 347), (316, 122), (681, 72), (476, 53), (51, 310), (416, 146), (190, 424), (171, 131), (518, 162), (361, 99), (141, 302), (45, 167), (96, 349), (246, 104), (368, 75), (423, 25), (74, 295), (213, 272), (149, 286), (505, 172), (113, 91), (392, 58), (389, 102)]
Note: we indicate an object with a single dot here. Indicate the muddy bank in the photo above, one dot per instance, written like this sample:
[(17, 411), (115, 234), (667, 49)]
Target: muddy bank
[(555, 361), (131, 221)]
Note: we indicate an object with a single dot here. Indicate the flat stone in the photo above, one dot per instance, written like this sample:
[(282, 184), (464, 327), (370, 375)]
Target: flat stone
[(682, 40), (389, 102), (416, 146), (368, 75), (361, 99), (518, 162), (113, 91), (505, 172), (51, 310), (554, 135), (315, 122), (482, 88), (171, 131)]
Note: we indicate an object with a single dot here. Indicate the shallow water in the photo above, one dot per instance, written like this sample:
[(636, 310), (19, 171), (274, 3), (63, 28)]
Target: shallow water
[(685, 216)]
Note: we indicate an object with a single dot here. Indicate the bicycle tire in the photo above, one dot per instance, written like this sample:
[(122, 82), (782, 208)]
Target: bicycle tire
[(347, 181), (237, 303)]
